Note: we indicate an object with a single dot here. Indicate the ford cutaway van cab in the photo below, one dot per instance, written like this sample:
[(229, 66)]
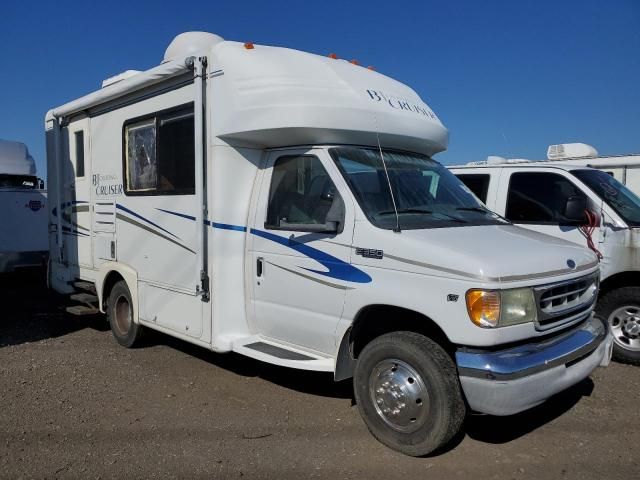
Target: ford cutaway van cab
[(582, 205), (285, 206)]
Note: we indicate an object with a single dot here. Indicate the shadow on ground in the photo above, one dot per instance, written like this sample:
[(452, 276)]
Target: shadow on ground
[(30, 312), (495, 430)]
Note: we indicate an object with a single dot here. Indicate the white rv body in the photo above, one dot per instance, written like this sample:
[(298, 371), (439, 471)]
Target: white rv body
[(23, 203), (209, 265)]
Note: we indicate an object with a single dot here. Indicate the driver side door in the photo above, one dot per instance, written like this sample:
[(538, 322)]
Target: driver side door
[(301, 250)]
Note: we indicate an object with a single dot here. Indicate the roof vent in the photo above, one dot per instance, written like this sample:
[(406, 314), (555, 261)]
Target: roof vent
[(494, 160), (570, 150), (190, 43), (118, 78)]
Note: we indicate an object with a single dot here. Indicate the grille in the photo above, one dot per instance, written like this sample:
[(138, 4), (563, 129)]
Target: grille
[(566, 302)]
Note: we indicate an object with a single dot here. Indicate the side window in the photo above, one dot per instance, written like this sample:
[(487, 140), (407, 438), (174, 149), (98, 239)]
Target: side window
[(79, 139), (539, 197), (302, 196), (159, 154), (478, 183)]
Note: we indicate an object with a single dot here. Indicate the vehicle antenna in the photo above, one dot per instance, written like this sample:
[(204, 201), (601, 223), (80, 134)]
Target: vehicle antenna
[(386, 172)]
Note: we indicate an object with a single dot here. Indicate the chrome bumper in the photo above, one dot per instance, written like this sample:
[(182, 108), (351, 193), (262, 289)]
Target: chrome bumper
[(509, 381)]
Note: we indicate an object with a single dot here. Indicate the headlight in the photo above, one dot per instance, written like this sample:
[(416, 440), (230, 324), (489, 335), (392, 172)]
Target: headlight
[(499, 308), (518, 306)]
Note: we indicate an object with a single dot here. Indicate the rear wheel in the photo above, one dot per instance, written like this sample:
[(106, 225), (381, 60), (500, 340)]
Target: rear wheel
[(408, 394), (120, 314), (621, 308)]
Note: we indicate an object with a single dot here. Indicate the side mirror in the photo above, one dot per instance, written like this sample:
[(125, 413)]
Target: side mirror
[(575, 208)]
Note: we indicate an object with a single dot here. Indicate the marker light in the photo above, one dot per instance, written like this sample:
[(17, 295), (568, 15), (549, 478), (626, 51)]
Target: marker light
[(355, 62), (333, 55), (484, 307), (371, 67), (249, 45)]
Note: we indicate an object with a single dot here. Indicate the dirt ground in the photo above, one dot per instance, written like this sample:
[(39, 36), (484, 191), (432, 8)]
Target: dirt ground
[(76, 405)]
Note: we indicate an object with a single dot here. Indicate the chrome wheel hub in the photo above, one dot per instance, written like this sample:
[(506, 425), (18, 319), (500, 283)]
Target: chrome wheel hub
[(625, 327), (399, 395)]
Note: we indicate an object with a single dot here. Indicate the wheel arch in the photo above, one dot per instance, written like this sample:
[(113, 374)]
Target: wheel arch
[(618, 280), (109, 274), (375, 320)]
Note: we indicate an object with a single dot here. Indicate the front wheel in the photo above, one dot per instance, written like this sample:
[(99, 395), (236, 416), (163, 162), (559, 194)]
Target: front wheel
[(408, 394), (621, 308)]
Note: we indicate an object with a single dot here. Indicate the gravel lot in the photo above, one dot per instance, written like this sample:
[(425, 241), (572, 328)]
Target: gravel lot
[(76, 405)]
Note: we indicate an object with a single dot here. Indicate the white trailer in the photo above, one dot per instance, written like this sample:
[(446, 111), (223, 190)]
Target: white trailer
[(23, 222), (284, 206)]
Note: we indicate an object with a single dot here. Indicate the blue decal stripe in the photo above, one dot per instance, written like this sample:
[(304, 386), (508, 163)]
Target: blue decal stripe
[(226, 226), (130, 212), (181, 215), (337, 268), (54, 212), (222, 226)]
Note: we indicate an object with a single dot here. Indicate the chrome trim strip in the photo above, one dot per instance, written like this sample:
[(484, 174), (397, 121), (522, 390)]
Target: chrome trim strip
[(530, 358), (514, 278), (511, 278)]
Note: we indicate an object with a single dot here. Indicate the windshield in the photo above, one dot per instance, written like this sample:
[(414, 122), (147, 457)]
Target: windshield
[(426, 194), (18, 181), (616, 195)]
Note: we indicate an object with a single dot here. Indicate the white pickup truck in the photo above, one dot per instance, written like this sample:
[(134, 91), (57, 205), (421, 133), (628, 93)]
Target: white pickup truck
[(551, 198)]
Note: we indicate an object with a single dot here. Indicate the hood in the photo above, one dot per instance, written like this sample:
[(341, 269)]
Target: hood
[(496, 253)]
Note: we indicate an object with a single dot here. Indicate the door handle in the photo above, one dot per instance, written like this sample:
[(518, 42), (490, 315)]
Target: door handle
[(259, 266)]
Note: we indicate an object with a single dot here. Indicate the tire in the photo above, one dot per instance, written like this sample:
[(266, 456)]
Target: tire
[(621, 309), (120, 314), (408, 393)]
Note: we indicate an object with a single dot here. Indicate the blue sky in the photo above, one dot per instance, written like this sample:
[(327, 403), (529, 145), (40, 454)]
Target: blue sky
[(506, 77)]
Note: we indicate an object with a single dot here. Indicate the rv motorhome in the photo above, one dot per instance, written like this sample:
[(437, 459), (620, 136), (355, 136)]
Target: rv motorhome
[(23, 228), (285, 206), (551, 197)]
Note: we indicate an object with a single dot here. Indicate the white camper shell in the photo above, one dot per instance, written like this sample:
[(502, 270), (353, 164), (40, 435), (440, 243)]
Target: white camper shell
[(23, 230), (284, 206)]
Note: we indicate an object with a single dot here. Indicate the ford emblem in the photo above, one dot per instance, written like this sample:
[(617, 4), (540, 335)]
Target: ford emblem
[(571, 264)]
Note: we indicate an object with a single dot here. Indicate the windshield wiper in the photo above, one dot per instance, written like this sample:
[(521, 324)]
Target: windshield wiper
[(423, 211), (405, 210), (481, 210), (474, 209)]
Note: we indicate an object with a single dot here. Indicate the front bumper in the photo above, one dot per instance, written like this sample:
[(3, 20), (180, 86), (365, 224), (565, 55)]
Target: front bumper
[(509, 381)]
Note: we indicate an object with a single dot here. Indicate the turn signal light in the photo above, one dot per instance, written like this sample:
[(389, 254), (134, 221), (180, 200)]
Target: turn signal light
[(484, 307)]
